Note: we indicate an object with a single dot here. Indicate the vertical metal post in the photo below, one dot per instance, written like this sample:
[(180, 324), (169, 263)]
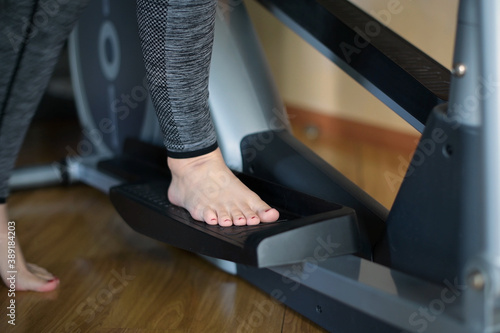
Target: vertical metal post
[(489, 11), (483, 272), (464, 107)]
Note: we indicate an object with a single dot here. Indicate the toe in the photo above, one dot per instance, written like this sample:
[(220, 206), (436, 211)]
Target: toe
[(240, 221), (238, 218), (250, 216), (224, 219), (49, 285), (268, 214), (210, 217), (254, 220)]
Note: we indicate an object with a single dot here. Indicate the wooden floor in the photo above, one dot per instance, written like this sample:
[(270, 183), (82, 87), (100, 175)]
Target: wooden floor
[(115, 280)]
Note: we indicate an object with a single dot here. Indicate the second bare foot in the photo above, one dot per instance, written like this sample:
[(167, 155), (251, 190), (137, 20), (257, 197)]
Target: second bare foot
[(28, 276)]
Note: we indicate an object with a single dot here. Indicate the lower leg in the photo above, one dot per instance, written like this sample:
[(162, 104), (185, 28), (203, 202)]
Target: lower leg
[(177, 39), (29, 52)]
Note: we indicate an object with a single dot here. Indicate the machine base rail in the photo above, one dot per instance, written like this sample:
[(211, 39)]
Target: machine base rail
[(350, 294), (145, 207)]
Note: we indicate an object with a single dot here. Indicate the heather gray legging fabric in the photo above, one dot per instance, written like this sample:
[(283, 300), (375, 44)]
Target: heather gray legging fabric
[(176, 37), (32, 34)]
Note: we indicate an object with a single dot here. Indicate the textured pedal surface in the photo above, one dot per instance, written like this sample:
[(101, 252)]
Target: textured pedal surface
[(308, 227)]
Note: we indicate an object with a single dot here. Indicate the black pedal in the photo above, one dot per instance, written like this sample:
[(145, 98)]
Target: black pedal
[(308, 228)]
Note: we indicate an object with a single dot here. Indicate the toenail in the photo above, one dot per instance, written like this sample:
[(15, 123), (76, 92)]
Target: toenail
[(268, 210), (254, 217), (241, 218)]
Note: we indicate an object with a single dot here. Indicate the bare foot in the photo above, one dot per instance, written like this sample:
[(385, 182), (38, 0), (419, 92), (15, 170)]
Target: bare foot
[(206, 187), (28, 276)]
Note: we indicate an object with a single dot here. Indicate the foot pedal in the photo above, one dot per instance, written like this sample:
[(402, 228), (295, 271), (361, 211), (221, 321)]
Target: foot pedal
[(308, 228)]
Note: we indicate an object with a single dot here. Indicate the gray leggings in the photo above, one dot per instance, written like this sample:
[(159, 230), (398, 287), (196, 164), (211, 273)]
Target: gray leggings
[(176, 36)]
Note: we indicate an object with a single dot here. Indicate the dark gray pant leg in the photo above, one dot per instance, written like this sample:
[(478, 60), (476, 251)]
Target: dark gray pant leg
[(177, 38), (32, 34)]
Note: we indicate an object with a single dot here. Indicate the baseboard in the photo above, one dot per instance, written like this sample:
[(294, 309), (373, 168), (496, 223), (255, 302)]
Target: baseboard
[(333, 128)]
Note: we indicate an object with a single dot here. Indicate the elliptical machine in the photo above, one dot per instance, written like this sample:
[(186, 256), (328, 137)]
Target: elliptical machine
[(430, 264)]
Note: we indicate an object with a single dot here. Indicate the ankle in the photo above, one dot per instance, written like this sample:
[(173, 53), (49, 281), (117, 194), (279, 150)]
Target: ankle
[(183, 166)]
